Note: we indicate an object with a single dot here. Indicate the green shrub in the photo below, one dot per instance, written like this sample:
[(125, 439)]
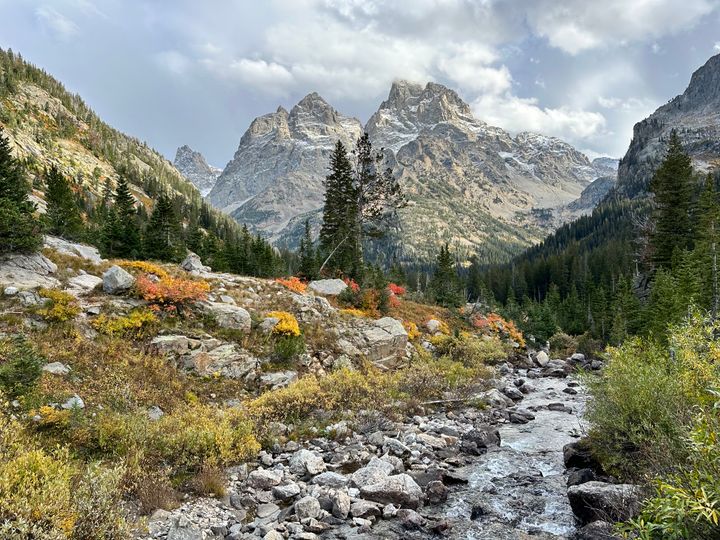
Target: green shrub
[(562, 345), (470, 350), (288, 347), (687, 504), (642, 406), (20, 367)]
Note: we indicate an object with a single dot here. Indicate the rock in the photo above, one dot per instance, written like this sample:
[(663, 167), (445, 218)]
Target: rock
[(521, 417), (595, 500), (386, 340), (83, 284), (155, 413), (436, 492), (364, 509), (542, 359), (307, 507), (192, 263), (580, 476), (29, 298), (273, 535), (11, 291), (340, 504), (305, 462), (172, 344), (432, 442), (227, 299), (496, 399), (278, 379), (433, 326), (578, 357), (27, 271), (116, 280), (331, 479), (228, 316), (578, 455), (477, 441), (65, 247), (513, 393), (56, 368), (74, 402), (410, 519), (183, 529), (375, 471), (267, 510), (330, 287), (268, 324), (597, 530), (389, 511), (264, 478), (399, 489), (287, 491)]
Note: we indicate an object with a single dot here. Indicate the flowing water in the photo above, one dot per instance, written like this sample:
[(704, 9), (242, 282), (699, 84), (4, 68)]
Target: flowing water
[(519, 489)]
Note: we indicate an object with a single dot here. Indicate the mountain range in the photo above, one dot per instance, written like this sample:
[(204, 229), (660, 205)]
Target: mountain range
[(470, 184)]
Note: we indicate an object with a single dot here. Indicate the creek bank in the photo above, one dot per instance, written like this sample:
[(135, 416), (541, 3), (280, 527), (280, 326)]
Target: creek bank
[(464, 473)]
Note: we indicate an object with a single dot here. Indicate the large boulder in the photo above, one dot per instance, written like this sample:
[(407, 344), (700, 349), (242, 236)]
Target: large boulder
[(478, 440), (193, 264), (374, 472), (228, 360), (593, 501), (228, 316), (330, 287), (116, 280), (27, 271), (399, 489), (386, 340), (65, 247), (307, 507), (597, 530)]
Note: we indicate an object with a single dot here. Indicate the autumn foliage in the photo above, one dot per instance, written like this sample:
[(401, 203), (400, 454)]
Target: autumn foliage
[(397, 290), (170, 294), (293, 283), (492, 323)]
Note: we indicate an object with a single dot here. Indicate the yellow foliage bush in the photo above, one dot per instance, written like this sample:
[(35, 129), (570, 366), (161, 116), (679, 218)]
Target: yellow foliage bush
[(134, 324), (144, 267), (61, 306), (411, 329), (353, 312), (287, 324)]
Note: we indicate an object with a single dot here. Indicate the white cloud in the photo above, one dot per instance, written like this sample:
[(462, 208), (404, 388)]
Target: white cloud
[(627, 104), (716, 47), (267, 76), (525, 114), (578, 25), (55, 22)]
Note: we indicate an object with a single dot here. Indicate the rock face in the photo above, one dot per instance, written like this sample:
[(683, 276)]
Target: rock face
[(64, 247), (27, 271), (466, 181), (193, 166), (278, 169), (696, 116), (594, 501)]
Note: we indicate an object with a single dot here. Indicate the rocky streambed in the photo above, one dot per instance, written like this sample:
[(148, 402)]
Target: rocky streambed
[(493, 473)]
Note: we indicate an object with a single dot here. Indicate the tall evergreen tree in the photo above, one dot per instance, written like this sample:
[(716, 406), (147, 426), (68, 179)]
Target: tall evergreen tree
[(19, 229), (672, 189), (308, 259), (706, 251), (163, 235), (63, 215), (444, 287)]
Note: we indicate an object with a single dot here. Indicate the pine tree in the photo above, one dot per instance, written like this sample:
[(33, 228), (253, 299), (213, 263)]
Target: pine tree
[(706, 251), (163, 237), (672, 188), (308, 260), (444, 287), (63, 215), (19, 230)]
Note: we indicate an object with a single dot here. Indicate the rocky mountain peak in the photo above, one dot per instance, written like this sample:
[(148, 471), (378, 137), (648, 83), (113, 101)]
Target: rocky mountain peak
[(704, 88), (195, 168), (314, 120)]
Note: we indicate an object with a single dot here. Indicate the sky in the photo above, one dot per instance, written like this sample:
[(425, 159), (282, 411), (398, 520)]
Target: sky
[(174, 72)]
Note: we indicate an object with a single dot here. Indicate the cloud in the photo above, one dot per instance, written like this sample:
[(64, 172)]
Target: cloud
[(266, 76), (575, 26), (716, 47), (517, 114), (627, 104), (56, 23)]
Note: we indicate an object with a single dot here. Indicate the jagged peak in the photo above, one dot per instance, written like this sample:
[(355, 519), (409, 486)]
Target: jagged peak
[(704, 87)]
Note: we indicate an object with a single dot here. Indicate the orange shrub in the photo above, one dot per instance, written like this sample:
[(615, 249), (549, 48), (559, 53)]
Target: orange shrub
[(354, 287), (170, 294), (397, 290), (492, 323), (293, 283)]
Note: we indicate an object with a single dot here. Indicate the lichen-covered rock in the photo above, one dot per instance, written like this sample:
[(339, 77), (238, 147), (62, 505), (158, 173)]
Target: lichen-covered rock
[(27, 271), (228, 316), (193, 264), (386, 340), (330, 287), (305, 462), (116, 280)]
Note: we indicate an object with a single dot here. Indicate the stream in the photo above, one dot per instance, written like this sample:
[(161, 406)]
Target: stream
[(518, 490)]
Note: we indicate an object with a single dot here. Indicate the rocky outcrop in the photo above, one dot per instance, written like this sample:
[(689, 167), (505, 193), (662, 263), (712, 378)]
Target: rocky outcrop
[(595, 500), (193, 166), (27, 271), (65, 247), (328, 287), (695, 115), (228, 315)]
